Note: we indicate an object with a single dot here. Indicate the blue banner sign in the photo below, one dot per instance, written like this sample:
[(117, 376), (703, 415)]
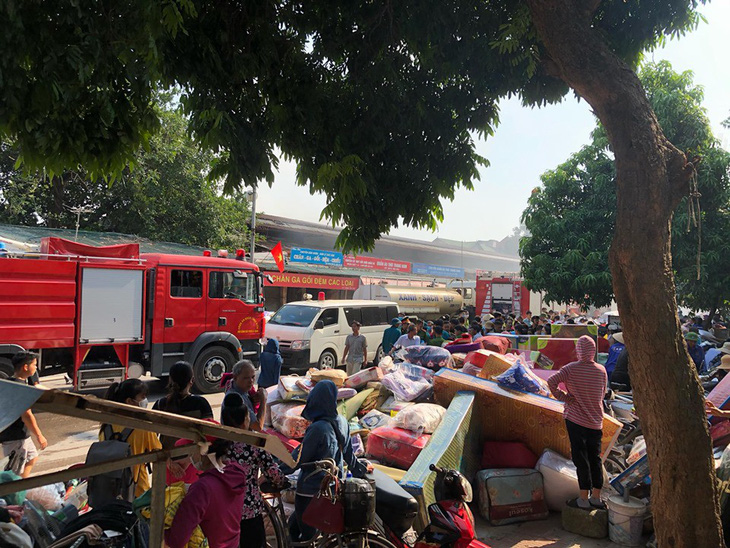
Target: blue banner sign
[(315, 256), (437, 271)]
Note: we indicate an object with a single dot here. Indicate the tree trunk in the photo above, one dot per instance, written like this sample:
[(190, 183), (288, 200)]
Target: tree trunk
[(651, 177)]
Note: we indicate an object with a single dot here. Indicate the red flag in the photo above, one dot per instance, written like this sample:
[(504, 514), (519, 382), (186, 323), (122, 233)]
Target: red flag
[(278, 256)]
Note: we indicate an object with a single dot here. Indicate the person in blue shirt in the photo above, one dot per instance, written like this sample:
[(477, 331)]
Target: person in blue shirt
[(696, 352), (614, 352), (391, 335), (271, 362)]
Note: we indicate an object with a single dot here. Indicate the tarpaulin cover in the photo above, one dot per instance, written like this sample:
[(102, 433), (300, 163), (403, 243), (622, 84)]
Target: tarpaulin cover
[(560, 351), (17, 398), (506, 415), (432, 357), (59, 246)]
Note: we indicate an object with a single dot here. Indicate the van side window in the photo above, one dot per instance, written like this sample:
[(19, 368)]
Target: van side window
[(330, 316), (370, 315), (353, 314), (392, 313), (186, 283)]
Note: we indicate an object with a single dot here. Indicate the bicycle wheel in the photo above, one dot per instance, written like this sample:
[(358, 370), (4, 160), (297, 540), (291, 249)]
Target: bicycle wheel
[(361, 539), (276, 533)]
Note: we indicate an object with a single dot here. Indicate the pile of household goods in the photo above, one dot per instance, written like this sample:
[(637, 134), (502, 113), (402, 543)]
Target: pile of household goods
[(389, 406), (49, 516), (525, 464)]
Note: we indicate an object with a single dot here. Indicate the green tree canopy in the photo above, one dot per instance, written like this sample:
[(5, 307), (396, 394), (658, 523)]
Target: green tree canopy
[(375, 101), (163, 194), (571, 216)]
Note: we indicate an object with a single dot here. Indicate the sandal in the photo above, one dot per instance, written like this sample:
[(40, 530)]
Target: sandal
[(573, 503), (600, 505)]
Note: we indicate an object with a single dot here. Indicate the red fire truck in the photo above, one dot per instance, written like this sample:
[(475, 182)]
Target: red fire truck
[(107, 313), (505, 295)]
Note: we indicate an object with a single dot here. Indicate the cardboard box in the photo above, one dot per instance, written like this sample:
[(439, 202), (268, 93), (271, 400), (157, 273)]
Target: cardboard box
[(506, 415), (492, 363)]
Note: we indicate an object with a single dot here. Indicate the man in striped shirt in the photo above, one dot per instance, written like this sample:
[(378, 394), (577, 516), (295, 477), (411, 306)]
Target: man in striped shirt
[(585, 382)]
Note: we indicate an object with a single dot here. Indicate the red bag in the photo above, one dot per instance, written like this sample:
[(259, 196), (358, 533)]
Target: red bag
[(395, 446), (720, 433), (495, 344), (507, 454), (326, 512)]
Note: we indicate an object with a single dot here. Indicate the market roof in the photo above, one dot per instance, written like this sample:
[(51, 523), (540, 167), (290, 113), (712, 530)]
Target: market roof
[(16, 236)]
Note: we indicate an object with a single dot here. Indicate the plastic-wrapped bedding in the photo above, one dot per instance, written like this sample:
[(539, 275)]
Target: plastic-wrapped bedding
[(403, 388), (395, 446), (520, 377), (432, 357), (287, 419), (422, 418)]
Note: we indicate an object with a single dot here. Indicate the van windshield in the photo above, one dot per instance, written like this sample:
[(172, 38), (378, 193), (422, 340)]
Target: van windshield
[(294, 314)]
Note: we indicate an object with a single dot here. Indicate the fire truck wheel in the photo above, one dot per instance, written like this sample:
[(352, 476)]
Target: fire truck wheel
[(6, 368), (327, 360), (209, 368)]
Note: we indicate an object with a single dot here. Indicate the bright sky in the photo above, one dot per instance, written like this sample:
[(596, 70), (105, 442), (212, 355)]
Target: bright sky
[(530, 141)]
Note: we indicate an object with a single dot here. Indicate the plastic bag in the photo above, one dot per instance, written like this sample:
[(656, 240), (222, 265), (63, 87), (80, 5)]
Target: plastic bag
[(375, 419), (520, 377), (393, 406), (361, 378), (638, 450), (422, 418), (386, 365), (337, 376), (346, 393), (416, 372), (49, 497), (358, 447), (404, 388), (287, 419), (432, 357), (288, 388)]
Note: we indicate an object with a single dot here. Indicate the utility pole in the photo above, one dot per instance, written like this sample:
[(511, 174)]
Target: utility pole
[(252, 197)]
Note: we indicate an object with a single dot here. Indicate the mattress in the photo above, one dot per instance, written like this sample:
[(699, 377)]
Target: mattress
[(560, 351), (454, 444), (505, 415)]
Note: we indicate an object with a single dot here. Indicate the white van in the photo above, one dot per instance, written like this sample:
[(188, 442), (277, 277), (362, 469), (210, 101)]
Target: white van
[(312, 333)]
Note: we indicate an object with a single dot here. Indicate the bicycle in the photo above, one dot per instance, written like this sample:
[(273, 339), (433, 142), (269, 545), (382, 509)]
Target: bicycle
[(278, 531)]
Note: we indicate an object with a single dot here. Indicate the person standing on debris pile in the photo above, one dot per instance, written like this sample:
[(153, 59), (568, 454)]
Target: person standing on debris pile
[(390, 335), (585, 382), (15, 439)]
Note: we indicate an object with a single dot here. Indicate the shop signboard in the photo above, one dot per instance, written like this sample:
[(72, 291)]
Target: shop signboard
[(315, 256), (374, 263), (438, 271), (312, 281)]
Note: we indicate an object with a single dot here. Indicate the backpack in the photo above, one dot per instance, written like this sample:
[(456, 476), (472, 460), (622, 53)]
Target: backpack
[(117, 484)]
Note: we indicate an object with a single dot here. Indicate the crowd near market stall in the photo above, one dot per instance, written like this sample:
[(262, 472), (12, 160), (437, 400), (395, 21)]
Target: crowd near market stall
[(512, 420)]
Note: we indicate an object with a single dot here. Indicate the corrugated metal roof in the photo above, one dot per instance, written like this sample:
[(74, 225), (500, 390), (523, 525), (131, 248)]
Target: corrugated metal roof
[(15, 235)]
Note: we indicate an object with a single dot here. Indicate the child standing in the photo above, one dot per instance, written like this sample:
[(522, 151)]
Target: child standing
[(585, 382), (15, 438)]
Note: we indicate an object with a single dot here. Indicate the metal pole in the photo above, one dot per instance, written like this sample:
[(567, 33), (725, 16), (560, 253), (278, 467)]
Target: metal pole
[(253, 224)]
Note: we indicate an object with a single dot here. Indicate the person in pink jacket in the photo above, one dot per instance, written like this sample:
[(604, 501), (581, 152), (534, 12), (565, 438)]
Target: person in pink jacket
[(214, 502)]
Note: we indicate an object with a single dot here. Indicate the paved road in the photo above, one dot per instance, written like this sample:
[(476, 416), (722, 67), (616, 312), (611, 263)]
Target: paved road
[(69, 438)]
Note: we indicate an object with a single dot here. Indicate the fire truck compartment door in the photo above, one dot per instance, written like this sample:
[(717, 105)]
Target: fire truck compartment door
[(111, 305)]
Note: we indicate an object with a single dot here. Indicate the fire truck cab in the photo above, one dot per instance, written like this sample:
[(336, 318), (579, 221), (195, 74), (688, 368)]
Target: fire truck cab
[(103, 314)]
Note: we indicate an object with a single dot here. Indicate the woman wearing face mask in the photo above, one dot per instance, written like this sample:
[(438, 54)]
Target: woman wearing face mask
[(134, 392), (213, 502), (235, 413)]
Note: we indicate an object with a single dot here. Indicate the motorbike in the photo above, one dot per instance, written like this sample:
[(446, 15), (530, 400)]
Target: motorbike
[(451, 523)]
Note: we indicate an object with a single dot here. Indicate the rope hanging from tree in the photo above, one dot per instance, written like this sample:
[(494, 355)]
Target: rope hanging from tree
[(694, 216)]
